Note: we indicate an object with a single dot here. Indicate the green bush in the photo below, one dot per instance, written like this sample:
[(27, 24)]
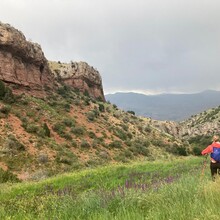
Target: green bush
[(73, 143), (46, 130), (115, 144), (13, 144), (101, 108), (2, 90), (92, 135), (6, 93), (197, 151), (84, 144), (120, 133), (78, 131), (5, 109), (69, 122), (131, 112), (7, 176), (32, 128), (91, 116), (59, 127), (8, 97)]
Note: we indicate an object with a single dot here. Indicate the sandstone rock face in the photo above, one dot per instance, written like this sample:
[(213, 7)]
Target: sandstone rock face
[(22, 63), (81, 76), (24, 67)]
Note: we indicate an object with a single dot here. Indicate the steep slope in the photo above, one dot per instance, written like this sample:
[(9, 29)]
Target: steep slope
[(196, 130), (67, 131)]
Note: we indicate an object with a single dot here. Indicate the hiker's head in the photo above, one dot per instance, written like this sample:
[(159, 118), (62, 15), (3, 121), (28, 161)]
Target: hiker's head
[(215, 138)]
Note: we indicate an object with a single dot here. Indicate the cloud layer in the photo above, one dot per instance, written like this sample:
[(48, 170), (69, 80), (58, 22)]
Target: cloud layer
[(137, 45)]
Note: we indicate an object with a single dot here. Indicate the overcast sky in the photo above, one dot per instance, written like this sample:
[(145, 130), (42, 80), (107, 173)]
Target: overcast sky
[(151, 46)]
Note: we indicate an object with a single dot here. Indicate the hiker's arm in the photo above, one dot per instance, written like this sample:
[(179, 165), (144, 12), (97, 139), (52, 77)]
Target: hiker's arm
[(207, 150)]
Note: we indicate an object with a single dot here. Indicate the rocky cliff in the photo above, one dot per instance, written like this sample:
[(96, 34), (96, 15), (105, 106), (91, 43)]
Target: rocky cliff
[(79, 75), (24, 67), (22, 63)]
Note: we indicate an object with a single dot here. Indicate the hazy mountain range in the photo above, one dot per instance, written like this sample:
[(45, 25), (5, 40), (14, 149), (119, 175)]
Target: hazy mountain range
[(174, 107)]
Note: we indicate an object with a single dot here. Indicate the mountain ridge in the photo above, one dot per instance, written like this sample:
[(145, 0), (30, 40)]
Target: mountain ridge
[(173, 107)]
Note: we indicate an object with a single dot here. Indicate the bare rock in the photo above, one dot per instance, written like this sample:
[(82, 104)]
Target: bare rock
[(23, 63), (81, 76)]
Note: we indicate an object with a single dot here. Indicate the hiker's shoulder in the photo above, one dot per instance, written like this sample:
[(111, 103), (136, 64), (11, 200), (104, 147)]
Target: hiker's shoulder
[(216, 144)]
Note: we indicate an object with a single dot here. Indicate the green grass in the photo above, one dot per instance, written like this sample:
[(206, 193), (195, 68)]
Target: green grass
[(143, 190)]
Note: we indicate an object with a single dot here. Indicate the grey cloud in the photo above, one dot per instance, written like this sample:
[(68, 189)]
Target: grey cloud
[(157, 45)]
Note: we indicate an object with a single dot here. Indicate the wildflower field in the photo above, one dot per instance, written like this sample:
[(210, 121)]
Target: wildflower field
[(160, 190)]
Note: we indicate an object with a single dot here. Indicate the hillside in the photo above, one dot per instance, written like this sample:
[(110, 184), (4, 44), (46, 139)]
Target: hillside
[(171, 107), (196, 130), (54, 118), (68, 131)]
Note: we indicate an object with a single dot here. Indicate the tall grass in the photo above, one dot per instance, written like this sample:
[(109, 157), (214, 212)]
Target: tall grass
[(157, 190)]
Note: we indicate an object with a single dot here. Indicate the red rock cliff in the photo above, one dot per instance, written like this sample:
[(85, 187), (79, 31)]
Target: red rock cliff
[(22, 63), (24, 67)]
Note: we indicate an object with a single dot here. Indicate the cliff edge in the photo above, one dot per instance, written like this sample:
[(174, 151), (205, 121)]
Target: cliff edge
[(24, 68)]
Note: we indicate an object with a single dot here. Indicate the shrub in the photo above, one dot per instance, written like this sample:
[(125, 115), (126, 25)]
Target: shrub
[(85, 144), (131, 112), (32, 128), (66, 136), (46, 130), (181, 151), (73, 143), (59, 128), (43, 158), (13, 144), (115, 106), (121, 158), (67, 107), (2, 90), (115, 144), (65, 160), (8, 97), (101, 108), (120, 133), (91, 115), (7, 176), (68, 122), (78, 131), (5, 109), (147, 129), (196, 151), (92, 134)]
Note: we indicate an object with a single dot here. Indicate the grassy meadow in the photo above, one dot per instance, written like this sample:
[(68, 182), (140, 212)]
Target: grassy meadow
[(141, 190)]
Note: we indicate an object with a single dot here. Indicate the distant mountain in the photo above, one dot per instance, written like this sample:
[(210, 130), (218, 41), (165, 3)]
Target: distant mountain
[(174, 107)]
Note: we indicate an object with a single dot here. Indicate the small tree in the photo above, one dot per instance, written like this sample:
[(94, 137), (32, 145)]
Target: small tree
[(131, 112), (2, 89), (46, 130)]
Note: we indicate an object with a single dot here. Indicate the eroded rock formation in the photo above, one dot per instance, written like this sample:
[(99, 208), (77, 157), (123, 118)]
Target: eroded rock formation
[(22, 63), (24, 67), (81, 76)]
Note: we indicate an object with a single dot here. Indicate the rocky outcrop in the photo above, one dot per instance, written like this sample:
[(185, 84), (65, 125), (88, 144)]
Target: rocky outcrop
[(81, 76), (22, 63), (206, 123), (24, 67)]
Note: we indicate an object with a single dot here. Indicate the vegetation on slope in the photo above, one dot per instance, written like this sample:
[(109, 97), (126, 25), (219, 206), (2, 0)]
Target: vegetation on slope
[(68, 130), (200, 128)]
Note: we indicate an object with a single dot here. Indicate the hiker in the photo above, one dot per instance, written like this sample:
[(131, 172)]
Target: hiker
[(214, 149)]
